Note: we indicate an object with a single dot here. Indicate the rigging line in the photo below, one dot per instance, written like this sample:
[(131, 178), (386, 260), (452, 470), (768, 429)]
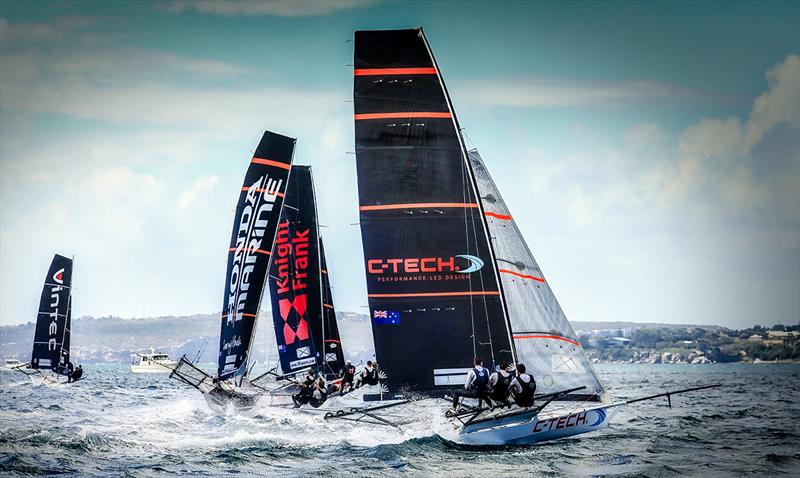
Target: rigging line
[(483, 287)]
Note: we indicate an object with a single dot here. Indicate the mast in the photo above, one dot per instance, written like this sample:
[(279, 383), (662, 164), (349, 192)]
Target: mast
[(473, 184), (321, 345), (249, 252)]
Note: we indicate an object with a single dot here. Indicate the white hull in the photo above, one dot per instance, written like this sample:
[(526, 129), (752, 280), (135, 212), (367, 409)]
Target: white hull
[(533, 428), (160, 367)]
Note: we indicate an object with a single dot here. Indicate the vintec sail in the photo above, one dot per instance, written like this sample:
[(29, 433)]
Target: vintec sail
[(249, 254), (449, 276), (306, 332), (51, 339)]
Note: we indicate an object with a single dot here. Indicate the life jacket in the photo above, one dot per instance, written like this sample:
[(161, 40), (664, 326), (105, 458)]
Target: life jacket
[(349, 371), (500, 390), (481, 382), (371, 377), (525, 397)]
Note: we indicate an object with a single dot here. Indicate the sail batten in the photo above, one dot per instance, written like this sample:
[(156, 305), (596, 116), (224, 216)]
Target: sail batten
[(254, 229)]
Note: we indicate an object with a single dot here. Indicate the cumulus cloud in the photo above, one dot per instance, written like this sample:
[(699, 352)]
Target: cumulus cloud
[(779, 105), (280, 8)]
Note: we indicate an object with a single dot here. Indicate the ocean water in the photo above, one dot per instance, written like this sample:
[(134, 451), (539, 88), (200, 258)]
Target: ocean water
[(115, 423)]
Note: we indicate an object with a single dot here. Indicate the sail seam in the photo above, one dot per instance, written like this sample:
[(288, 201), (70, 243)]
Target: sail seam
[(393, 71), (418, 205), (553, 337), (259, 251), (498, 216), (403, 114), (524, 276), (269, 162)]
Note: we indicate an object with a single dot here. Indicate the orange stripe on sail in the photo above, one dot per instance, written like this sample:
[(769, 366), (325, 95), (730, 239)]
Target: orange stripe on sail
[(393, 71), (554, 337), (243, 315), (506, 271), (403, 115), (260, 251), (333, 341), (328, 306), (436, 294), (418, 205), (262, 190), (498, 216), (323, 271), (269, 162)]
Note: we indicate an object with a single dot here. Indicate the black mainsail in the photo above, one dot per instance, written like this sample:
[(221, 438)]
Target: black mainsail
[(331, 341), (302, 308), (434, 295), (51, 338), (254, 229)]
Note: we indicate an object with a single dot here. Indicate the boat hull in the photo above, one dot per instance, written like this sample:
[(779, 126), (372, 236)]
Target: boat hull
[(532, 429), (160, 367)]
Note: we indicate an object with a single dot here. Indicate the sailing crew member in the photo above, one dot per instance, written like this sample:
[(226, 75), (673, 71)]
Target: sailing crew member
[(320, 393), (77, 374), (499, 382), (523, 387), (70, 370), (368, 376), (306, 392), (476, 386), (347, 375)]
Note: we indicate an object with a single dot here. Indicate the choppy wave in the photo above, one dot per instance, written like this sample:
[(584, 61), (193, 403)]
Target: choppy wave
[(115, 422)]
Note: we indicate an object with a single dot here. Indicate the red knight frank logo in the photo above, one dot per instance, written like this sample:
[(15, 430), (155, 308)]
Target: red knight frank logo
[(292, 256)]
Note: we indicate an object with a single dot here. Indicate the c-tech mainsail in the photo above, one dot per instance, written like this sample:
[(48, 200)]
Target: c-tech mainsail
[(249, 254), (302, 307), (434, 294)]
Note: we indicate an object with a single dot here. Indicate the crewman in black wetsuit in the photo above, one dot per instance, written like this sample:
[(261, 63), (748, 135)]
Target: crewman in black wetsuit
[(476, 386), (523, 388), (77, 374), (368, 376), (499, 382), (347, 375), (319, 394), (306, 392), (70, 371)]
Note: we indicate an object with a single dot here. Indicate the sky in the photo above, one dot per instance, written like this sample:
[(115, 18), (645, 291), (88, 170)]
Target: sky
[(649, 151)]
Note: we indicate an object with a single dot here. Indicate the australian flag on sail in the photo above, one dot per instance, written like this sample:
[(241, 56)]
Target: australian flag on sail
[(386, 317)]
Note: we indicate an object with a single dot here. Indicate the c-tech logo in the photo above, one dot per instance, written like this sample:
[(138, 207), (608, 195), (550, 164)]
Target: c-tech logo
[(462, 263), (59, 276)]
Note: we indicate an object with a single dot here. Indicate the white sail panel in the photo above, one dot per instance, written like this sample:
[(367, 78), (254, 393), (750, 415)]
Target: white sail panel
[(543, 337)]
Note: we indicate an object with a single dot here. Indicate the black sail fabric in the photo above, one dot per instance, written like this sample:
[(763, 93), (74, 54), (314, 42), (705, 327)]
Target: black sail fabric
[(433, 293), (332, 343), (294, 283), (254, 228), (51, 338)]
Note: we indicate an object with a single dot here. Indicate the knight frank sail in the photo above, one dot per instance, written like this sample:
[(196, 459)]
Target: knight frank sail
[(249, 255), (449, 275), (306, 332)]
